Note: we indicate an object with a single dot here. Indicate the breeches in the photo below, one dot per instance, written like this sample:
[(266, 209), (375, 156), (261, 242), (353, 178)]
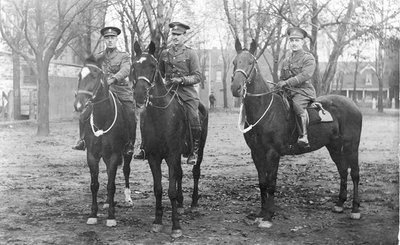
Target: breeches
[(192, 113), (300, 102)]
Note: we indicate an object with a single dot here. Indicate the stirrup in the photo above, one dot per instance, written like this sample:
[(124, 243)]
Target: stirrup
[(303, 142), (80, 145), (140, 155), (192, 159)]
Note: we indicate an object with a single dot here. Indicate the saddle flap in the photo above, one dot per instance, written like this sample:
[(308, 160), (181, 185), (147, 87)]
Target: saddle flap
[(324, 115)]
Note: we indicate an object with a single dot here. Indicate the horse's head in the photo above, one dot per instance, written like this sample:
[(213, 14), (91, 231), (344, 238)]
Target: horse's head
[(144, 71), (244, 68), (91, 80)]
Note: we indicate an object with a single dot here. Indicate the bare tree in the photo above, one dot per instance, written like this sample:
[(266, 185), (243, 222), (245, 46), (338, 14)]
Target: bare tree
[(47, 27)]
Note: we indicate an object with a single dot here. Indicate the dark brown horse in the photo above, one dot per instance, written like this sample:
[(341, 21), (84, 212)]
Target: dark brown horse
[(105, 134), (165, 133), (270, 127)]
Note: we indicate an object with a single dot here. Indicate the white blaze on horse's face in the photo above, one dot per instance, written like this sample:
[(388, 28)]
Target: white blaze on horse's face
[(84, 72), (141, 60)]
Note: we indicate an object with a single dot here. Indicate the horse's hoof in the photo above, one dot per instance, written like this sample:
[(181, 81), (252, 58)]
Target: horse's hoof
[(91, 221), (176, 233), (180, 210), (106, 205), (337, 209), (264, 224), (111, 223), (355, 215), (157, 228)]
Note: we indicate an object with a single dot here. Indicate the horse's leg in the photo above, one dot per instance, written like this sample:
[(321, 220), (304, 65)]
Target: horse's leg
[(112, 166), (93, 164), (127, 171), (179, 198), (336, 153), (267, 168), (155, 166), (174, 168), (196, 171), (351, 157)]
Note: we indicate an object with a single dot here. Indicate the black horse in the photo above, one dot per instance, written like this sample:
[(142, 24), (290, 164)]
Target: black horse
[(105, 135), (165, 134), (270, 128)]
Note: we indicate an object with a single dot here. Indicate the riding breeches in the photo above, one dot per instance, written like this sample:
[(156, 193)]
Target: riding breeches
[(300, 102), (192, 113)]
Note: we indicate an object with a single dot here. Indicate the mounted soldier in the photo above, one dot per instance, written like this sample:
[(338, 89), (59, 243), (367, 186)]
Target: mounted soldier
[(116, 66), (179, 65), (296, 73)]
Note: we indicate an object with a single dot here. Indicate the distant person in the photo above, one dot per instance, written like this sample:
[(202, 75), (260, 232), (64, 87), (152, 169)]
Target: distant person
[(212, 100), (296, 73), (116, 66)]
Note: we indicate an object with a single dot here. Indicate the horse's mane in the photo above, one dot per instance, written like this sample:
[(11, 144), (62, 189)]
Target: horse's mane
[(91, 59)]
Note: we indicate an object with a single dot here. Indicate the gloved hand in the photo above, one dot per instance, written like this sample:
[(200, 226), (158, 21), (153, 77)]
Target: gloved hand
[(174, 80), (111, 80), (282, 84)]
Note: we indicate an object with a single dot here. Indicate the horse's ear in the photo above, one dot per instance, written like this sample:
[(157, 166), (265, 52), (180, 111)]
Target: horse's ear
[(253, 47), (152, 48), (137, 49), (238, 45)]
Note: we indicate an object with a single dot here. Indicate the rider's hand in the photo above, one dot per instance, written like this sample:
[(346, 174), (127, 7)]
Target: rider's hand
[(282, 84), (176, 80), (111, 80)]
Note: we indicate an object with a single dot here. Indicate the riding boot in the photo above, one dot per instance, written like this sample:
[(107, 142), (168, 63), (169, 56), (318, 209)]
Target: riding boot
[(302, 126), (192, 159), (130, 118), (80, 145)]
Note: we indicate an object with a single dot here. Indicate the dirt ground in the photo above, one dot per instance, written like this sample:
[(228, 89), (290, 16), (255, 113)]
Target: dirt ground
[(45, 194)]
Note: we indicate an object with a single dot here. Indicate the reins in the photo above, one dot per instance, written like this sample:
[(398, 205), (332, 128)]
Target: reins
[(100, 131), (151, 82), (93, 94), (242, 113)]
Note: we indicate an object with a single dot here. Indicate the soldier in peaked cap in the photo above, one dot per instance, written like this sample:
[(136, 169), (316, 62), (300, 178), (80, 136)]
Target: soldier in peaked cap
[(116, 66), (179, 65), (296, 72)]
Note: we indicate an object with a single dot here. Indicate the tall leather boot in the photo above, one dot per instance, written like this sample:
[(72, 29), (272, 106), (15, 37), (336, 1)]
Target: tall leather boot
[(80, 145), (192, 159), (302, 141), (131, 120)]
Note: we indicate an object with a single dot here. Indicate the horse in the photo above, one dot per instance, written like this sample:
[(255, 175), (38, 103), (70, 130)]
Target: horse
[(165, 134), (105, 135), (269, 132)]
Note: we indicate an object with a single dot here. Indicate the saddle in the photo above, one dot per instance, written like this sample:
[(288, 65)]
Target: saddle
[(316, 113)]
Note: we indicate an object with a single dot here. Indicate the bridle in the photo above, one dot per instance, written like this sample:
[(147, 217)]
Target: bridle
[(93, 93), (151, 81), (249, 79), (248, 76), (96, 130)]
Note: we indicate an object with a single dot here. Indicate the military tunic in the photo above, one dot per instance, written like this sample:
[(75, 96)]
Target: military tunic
[(183, 62), (117, 64), (297, 70)]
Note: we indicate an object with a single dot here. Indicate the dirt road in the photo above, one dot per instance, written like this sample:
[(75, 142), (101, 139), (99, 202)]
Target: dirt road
[(44, 189)]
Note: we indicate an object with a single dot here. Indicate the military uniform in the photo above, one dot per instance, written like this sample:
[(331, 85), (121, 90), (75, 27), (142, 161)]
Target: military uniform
[(116, 66), (296, 73), (181, 63)]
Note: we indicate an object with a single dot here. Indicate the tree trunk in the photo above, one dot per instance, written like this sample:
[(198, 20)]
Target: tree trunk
[(43, 99), (224, 84), (355, 76), (16, 85)]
